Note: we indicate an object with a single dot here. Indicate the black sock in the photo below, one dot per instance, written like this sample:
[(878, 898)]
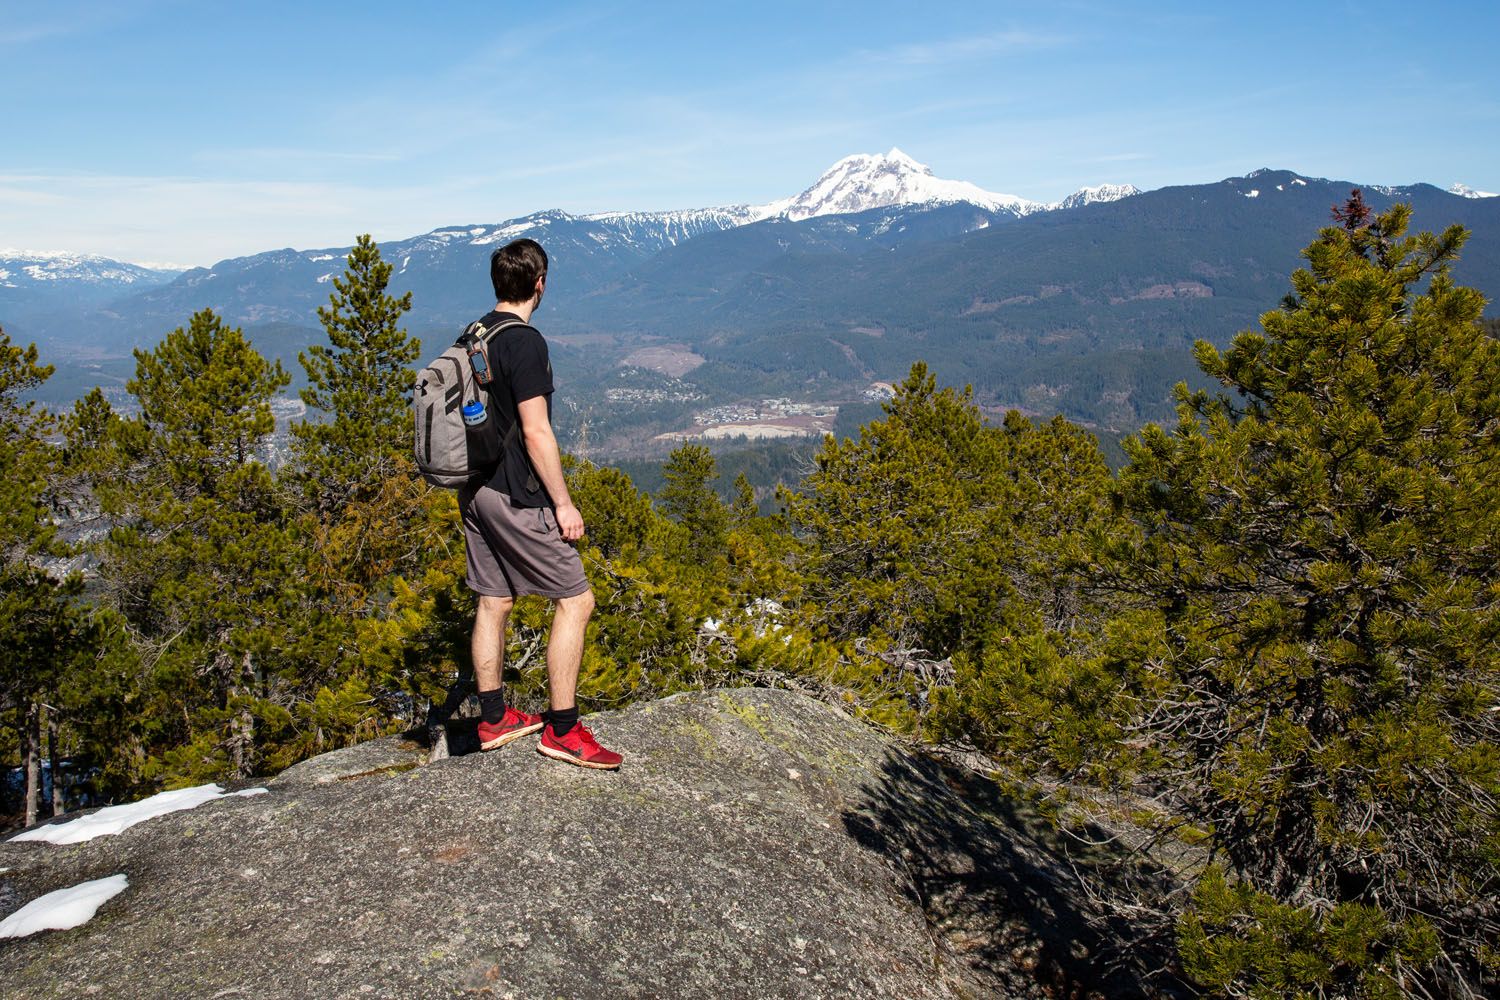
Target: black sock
[(562, 720), (492, 705)]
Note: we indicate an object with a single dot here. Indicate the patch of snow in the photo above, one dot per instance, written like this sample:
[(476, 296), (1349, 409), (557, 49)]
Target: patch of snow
[(1298, 180), (65, 908), (506, 233), (325, 279), (765, 606), (1096, 194), (321, 256), (1464, 191), (116, 819), (1280, 188), (1253, 193)]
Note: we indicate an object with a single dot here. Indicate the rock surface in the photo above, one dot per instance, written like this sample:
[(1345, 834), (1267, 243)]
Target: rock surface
[(755, 844)]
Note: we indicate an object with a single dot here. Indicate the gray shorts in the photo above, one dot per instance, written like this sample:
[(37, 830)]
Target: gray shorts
[(516, 550)]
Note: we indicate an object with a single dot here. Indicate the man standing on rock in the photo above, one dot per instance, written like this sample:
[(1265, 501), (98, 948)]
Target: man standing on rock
[(518, 525)]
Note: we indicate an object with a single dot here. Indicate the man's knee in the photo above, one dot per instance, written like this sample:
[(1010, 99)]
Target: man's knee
[(495, 607), (579, 604)]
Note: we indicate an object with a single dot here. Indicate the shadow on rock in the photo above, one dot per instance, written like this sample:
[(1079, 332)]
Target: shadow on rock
[(1007, 911), (449, 731)]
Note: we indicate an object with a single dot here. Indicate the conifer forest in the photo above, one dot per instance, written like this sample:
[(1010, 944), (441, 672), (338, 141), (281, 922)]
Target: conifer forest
[(1262, 657)]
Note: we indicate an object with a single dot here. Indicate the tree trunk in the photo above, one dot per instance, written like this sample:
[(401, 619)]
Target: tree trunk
[(32, 740), (243, 726), (237, 739), (58, 807)]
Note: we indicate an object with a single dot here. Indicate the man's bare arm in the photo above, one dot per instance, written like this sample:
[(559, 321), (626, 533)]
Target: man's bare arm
[(541, 446)]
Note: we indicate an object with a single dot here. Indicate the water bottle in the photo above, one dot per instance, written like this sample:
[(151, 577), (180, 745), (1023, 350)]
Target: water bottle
[(474, 413)]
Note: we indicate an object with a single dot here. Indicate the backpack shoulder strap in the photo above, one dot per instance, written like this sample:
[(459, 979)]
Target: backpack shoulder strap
[(477, 331)]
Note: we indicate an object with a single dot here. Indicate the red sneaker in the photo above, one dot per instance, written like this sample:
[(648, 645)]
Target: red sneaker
[(578, 747), (512, 727)]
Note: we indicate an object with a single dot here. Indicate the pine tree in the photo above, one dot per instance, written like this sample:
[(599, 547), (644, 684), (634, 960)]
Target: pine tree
[(360, 387), (200, 561), (32, 606), (744, 508), (935, 528), (352, 458), (690, 500), (48, 640), (894, 514), (370, 528), (1311, 671), (618, 516)]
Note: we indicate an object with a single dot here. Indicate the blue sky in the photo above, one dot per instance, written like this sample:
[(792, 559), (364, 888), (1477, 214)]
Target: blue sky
[(174, 131)]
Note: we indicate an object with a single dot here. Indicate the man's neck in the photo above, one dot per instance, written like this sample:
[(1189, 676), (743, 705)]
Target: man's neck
[(522, 310)]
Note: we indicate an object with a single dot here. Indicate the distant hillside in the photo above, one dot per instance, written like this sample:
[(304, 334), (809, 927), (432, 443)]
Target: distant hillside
[(1088, 309)]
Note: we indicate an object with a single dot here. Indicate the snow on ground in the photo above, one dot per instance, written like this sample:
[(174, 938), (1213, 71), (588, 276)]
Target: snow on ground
[(114, 819), (57, 911)]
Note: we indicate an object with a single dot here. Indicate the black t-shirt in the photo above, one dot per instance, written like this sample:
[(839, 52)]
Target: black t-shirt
[(520, 371)]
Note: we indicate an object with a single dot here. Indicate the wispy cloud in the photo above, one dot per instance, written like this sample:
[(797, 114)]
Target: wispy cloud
[(24, 24), (953, 50), (286, 154)]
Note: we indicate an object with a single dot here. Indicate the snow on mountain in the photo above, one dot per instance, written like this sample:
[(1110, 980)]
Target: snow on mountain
[(1097, 194), (865, 181), (1464, 191), (671, 228), (31, 267)]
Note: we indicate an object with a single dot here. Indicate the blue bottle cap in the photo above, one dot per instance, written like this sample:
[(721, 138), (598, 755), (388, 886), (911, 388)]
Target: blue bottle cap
[(474, 412)]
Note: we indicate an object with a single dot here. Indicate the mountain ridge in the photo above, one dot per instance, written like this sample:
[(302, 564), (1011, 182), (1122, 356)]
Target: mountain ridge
[(1089, 311)]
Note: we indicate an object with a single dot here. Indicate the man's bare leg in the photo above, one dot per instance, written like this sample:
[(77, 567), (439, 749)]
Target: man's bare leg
[(570, 621), (498, 725), (487, 643), (565, 738)]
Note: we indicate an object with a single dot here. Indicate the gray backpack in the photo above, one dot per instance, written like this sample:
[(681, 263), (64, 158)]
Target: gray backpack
[(449, 452)]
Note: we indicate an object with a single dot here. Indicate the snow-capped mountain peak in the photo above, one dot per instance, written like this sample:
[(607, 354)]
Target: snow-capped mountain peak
[(898, 157), (48, 266), (866, 181), (1464, 191), (1098, 193)]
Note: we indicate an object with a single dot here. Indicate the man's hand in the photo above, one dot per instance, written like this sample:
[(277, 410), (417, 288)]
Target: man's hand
[(569, 522)]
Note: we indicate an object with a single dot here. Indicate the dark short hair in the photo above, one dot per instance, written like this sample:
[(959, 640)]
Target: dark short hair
[(514, 269)]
